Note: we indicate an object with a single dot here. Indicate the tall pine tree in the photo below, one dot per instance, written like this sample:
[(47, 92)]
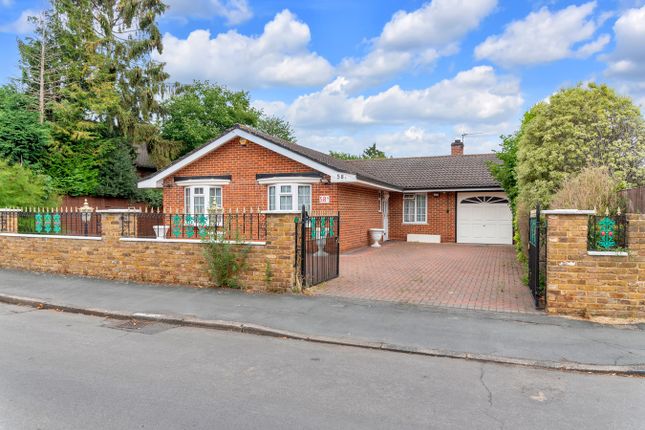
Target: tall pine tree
[(104, 84)]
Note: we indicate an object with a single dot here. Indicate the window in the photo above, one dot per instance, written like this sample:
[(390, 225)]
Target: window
[(289, 197), (199, 199), (414, 208)]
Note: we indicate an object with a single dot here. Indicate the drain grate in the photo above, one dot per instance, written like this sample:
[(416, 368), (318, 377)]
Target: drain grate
[(138, 326)]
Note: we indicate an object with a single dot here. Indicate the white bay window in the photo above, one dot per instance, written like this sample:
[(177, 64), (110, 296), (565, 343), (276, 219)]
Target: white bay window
[(415, 208), (289, 197), (199, 199)]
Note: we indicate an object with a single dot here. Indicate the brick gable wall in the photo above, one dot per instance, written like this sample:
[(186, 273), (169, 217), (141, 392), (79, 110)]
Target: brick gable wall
[(243, 163)]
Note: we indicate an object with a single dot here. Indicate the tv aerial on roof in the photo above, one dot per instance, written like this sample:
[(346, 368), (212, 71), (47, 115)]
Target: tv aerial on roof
[(473, 133)]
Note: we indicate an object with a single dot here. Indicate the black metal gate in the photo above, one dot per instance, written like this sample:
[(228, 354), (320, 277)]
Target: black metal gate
[(537, 258), (317, 248)]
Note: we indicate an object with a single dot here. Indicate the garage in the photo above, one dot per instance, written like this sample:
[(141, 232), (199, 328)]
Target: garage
[(484, 217)]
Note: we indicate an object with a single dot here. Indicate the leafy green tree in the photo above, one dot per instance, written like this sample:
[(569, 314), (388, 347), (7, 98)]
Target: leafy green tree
[(117, 174), (344, 155), (22, 138), (109, 87), (201, 111), (278, 127), (20, 187), (506, 170), (371, 152), (576, 128)]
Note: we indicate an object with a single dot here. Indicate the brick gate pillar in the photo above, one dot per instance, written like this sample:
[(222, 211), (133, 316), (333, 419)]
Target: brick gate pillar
[(280, 250), (9, 220)]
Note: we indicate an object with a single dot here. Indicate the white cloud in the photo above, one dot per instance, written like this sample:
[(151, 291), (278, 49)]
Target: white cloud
[(374, 67), (403, 141), (234, 11), (628, 59), (6, 3), (398, 142), (475, 95), (545, 36), (588, 49), (20, 25), (277, 57), (437, 23), (416, 38)]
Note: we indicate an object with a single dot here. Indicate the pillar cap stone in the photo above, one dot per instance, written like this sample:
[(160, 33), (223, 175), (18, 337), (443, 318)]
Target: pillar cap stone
[(118, 211), (568, 212)]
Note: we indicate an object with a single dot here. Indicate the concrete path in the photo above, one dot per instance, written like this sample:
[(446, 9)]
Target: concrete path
[(532, 340)]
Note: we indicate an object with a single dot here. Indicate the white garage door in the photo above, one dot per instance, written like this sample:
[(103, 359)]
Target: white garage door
[(484, 217)]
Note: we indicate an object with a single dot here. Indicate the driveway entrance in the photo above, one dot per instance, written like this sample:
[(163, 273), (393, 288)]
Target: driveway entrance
[(485, 277)]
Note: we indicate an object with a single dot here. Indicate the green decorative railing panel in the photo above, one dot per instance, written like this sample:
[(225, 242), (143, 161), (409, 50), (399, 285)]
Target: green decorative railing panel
[(54, 223), (607, 233)]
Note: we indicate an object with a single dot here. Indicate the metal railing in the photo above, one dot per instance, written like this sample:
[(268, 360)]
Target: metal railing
[(227, 225), (607, 233), (57, 222), (317, 247)]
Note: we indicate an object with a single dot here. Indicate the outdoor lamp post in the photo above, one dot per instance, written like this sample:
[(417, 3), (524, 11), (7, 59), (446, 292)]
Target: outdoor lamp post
[(86, 215)]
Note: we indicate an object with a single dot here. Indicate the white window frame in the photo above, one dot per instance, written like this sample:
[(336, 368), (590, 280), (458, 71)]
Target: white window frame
[(293, 194), (189, 200), (413, 197)]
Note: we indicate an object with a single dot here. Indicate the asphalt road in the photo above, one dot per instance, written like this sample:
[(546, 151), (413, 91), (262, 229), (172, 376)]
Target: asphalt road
[(64, 371)]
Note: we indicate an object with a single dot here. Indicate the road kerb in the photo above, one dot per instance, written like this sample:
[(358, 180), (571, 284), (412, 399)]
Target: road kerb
[(260, 330)]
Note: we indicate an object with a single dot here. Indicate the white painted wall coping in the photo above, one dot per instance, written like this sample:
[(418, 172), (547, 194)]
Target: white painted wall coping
[(193, 241), (280, 212), (608, 253), (51, 236), (10, 210), (117, 211), (568, 212)]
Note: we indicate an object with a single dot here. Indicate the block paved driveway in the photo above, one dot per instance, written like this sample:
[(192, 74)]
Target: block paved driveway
[(485, 277)]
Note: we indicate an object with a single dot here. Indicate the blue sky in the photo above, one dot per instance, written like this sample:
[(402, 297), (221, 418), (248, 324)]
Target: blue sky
[(408, 75)]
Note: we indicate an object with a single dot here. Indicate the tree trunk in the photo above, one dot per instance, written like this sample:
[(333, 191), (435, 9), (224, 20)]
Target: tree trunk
[(41, 88)]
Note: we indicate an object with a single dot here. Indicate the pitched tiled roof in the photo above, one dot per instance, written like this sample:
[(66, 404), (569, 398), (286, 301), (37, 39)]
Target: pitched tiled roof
[(413, 173), (459, 171)]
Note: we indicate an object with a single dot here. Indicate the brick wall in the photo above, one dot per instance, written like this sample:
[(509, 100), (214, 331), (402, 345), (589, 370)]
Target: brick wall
[(359, 211), (150, 261), (441, 217), (589, 285), (243, 163)]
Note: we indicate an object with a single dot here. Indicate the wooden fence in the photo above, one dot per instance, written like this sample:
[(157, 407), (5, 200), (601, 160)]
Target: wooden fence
[(635, 199)]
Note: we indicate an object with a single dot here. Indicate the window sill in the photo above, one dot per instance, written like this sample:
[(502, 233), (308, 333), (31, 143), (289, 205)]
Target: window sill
[(608, 253), (193, 241), (415, 223), (281, 212)]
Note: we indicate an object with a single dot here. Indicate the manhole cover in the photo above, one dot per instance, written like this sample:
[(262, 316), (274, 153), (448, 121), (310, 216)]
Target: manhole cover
[(138, 326)]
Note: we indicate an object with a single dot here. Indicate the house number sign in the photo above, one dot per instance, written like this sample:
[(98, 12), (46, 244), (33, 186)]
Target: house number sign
[(324, 199)]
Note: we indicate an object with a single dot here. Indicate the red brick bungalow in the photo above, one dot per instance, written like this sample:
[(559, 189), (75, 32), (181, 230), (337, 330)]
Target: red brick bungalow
[(429, 199)]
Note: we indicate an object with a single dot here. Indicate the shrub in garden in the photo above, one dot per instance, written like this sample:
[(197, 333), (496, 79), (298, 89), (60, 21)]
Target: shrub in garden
[(226, 259), (592, 188)]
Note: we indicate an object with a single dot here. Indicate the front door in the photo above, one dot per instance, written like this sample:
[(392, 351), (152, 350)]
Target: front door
[(386, 215)]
